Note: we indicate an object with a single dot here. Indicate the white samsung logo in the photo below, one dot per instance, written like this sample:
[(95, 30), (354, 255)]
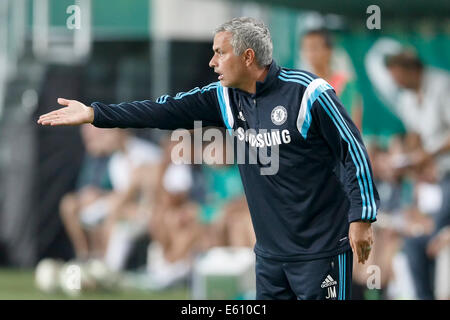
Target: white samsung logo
[(264, 138)]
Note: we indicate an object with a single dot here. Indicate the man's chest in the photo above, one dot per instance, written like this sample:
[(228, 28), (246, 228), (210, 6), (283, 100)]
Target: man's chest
[(273, 112), (421, 116), (269, 125)]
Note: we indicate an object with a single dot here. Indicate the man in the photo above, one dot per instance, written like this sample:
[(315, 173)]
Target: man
[(317, 50), (93, 183), (304, 222), (424, 106), (419, 95)]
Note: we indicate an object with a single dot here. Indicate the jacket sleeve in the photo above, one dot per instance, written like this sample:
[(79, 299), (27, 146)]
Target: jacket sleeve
[(166, 112), (345, 142)]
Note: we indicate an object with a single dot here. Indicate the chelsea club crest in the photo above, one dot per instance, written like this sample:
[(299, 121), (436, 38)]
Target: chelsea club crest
[(279, 115)]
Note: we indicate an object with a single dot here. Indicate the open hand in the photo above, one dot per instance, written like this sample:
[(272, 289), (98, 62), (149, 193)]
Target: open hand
[(74, 113)]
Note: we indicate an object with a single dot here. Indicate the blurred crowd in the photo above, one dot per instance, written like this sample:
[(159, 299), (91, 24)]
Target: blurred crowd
[(129, 191), (412, 173)]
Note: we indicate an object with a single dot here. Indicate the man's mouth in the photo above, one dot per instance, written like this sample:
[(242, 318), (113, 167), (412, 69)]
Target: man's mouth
[(220, 77)]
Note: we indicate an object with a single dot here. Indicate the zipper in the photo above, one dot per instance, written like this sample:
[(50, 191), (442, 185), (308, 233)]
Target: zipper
[(257, 115), (241, 110)]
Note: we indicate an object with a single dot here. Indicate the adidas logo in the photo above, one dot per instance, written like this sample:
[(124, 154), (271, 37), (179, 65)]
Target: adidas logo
[(328, 282), (241, 116)]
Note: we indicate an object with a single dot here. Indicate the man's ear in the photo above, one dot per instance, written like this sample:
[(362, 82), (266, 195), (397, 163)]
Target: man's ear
[(249, 57)]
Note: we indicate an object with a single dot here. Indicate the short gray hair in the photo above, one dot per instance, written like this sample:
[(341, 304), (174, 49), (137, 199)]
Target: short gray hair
[(249, 33)]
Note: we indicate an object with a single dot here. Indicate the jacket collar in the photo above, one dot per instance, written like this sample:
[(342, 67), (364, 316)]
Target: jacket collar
[(274, 70), (261, 86)]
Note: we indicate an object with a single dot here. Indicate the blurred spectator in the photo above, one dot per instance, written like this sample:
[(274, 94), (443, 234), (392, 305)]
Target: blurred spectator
[(224, 215), (130, 170), (420, 225), (387, 237), (85, 222), (222, 204), (419, 95), (173, 226), (317, 51), (93, 182), (408, 221), (129, 212), (235, 226), (181, 229)]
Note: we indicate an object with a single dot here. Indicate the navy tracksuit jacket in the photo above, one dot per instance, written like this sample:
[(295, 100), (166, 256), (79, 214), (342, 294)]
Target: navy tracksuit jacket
[(304, 210)]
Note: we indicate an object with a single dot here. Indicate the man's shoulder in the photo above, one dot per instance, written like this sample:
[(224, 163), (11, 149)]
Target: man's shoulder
[(298, 71), (211, 86), (297, 76)]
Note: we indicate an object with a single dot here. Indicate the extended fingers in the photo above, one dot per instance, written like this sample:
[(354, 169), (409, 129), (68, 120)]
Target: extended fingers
[(51, 115), (360, 253), (364, 248), (44, 119), (356, 248), (56, 122), (48, 120)]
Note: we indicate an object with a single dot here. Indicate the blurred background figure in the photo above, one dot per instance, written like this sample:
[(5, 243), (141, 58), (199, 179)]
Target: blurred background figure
[(93, 183), (131, 170), (419, 95), (130, 164), (317, 53), (187, 220), (223, 213), (173, 226)]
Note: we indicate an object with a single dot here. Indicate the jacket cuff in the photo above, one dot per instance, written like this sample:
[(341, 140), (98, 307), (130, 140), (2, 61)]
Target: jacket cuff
[(95, 122), (355, 214)]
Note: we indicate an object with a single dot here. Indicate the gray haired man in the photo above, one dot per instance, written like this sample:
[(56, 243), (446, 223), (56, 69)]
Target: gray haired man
[(306, 224)]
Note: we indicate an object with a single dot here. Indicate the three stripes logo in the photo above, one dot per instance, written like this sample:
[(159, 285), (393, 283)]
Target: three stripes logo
[(328, 282), (241, 116)]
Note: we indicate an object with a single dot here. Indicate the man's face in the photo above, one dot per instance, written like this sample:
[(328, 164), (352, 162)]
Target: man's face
[(315, 51), (402, 76), (230, 67)]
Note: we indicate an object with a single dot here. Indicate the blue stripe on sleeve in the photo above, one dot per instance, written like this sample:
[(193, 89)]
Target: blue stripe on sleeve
[(181, 95), (351, 150), (372, 208)]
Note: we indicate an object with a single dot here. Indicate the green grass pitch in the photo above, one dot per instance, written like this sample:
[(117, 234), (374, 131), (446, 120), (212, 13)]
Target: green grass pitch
[(19, 285)]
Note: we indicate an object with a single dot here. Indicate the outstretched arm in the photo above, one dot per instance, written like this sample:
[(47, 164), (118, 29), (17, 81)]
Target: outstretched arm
[(166, 112), (379, 74)]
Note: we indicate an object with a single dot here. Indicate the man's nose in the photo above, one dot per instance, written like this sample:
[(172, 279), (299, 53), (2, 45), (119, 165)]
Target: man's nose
[(212, 63)]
